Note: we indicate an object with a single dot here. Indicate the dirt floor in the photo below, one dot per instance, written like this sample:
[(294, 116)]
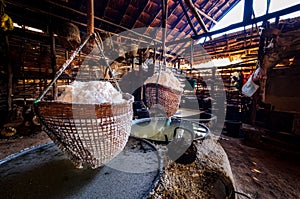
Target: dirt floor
[(258, 173), (13, 145), (263, 173)]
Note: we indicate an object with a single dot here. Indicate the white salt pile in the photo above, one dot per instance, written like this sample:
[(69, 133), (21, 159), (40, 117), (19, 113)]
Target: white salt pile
[(167, 79), (93, 92)]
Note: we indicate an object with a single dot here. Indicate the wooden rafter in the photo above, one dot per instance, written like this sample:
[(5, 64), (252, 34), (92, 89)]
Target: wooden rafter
[(205, 15), (188, 17), (90, 17), (285, 11), (192, 7)]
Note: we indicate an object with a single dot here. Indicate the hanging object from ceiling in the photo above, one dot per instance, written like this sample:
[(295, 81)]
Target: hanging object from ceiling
[(6, 21), (163, 90), (69, 36), (90, 133)]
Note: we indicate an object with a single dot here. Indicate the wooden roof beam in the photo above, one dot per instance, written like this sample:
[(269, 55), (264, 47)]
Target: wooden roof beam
[(206, 16), (124, 12), (192, 7), (95, 17), (170, 11), (90, 17), (140, 13), (196, 13), (248, 10), (285, 11), (188, 18)]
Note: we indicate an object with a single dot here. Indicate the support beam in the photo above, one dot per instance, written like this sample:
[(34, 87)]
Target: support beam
[(192, 54), (276, 14), (35, 10), (10, 76), (206, 16), (53, 63), (164, 29), (188, 18), (90, 17), (248, 10), (285, 11), (191, 6)]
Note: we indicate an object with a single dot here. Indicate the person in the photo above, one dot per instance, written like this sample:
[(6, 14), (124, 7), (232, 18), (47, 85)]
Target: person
[(240, 80), (190, 83)]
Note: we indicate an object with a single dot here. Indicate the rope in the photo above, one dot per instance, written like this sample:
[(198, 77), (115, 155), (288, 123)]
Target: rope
[(162, 67), (63, 68), (242, 194), (164, 31), (98, 39)]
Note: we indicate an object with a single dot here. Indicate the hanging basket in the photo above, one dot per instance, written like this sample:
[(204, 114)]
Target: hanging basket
[(168, 98), (90, 134)]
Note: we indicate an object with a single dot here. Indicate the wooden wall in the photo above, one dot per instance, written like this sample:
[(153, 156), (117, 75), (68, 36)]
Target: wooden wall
[(283, 88), (3, 80)]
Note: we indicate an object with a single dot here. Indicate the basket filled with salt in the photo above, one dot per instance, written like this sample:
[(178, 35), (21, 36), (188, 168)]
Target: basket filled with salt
[(163, 89), (90, 122)]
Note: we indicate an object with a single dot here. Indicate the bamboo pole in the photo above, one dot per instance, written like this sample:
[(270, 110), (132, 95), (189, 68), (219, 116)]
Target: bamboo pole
[(194, 10), (206, 16), (53, 63), (192, 54), (187, 17), (90, 17), (62, 69), (164, 27), (10, 75)]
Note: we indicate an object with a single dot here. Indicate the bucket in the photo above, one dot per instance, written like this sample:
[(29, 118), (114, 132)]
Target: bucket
[(233, 127)]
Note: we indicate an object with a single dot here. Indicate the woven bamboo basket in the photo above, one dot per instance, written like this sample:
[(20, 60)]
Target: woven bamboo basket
[(89, 134), (168, 98)]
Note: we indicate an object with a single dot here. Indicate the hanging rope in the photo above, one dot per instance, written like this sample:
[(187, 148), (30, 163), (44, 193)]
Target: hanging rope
[(164, 31), (98, 39), (63, 68), (162, 67)]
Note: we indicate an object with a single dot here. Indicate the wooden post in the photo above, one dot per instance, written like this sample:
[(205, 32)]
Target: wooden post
[(40, 71), (90, 17), (23, 67), (154, 58), (188, 17), (10, 76), (248, 10), (53, 63), (164, 30), (213, 77), (193, 9), (192, 54), (140, 77), (132, 64)]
